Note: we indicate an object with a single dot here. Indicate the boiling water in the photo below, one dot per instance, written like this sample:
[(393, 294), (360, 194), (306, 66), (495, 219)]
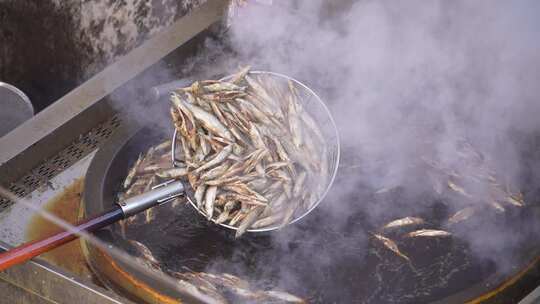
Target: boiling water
[(313, 258), (307, 259)]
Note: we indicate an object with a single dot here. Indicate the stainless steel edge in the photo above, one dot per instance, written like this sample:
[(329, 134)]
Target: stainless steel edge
[(20, 93), (48, 283), (532, 298)]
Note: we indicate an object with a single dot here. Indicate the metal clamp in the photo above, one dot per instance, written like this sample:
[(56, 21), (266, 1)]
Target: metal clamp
[(170, 197), (158, 195)]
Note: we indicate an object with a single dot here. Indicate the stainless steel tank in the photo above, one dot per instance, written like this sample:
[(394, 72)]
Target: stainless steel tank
[(15, 108)]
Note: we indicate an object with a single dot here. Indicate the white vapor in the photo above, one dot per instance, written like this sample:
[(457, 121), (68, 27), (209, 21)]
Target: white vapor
[(406, 79)]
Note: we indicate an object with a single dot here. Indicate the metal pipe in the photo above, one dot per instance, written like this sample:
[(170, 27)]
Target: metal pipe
[(159, 194)]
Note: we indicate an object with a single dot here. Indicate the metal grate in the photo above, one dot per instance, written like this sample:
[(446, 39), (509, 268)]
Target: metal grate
[(79, 148)]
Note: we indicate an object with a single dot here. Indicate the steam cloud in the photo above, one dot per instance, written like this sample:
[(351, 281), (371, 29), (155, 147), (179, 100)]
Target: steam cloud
[(403, 80)]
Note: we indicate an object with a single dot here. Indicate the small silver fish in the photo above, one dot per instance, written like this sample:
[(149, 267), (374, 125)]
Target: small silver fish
[(515, 200), (299, 183), (215, 172), (462, 215), (498, 207), (132, 172), (145, 253), (243, 189), (209, 121), (288, 214), (267, 221), (250, 218), (238, 217), (406, 221), (163, 146), (388, 243), (199, 194), (458, 189), (150, 168), (275, 204), (223, 86), (283, 296), (209, 201), (217, 159), (429, 233), (224, 216), (239, 76), (173, 173)]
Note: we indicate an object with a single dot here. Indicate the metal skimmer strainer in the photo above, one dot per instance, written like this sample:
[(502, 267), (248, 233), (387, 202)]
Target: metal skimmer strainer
[(315, 107), (171, 189)]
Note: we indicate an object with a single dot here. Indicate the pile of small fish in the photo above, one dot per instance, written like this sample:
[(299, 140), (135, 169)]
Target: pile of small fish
[(473, 174), (217, 288), (251, 153)]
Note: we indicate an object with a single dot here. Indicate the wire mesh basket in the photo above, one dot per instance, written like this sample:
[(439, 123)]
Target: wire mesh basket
[(317, 109)]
